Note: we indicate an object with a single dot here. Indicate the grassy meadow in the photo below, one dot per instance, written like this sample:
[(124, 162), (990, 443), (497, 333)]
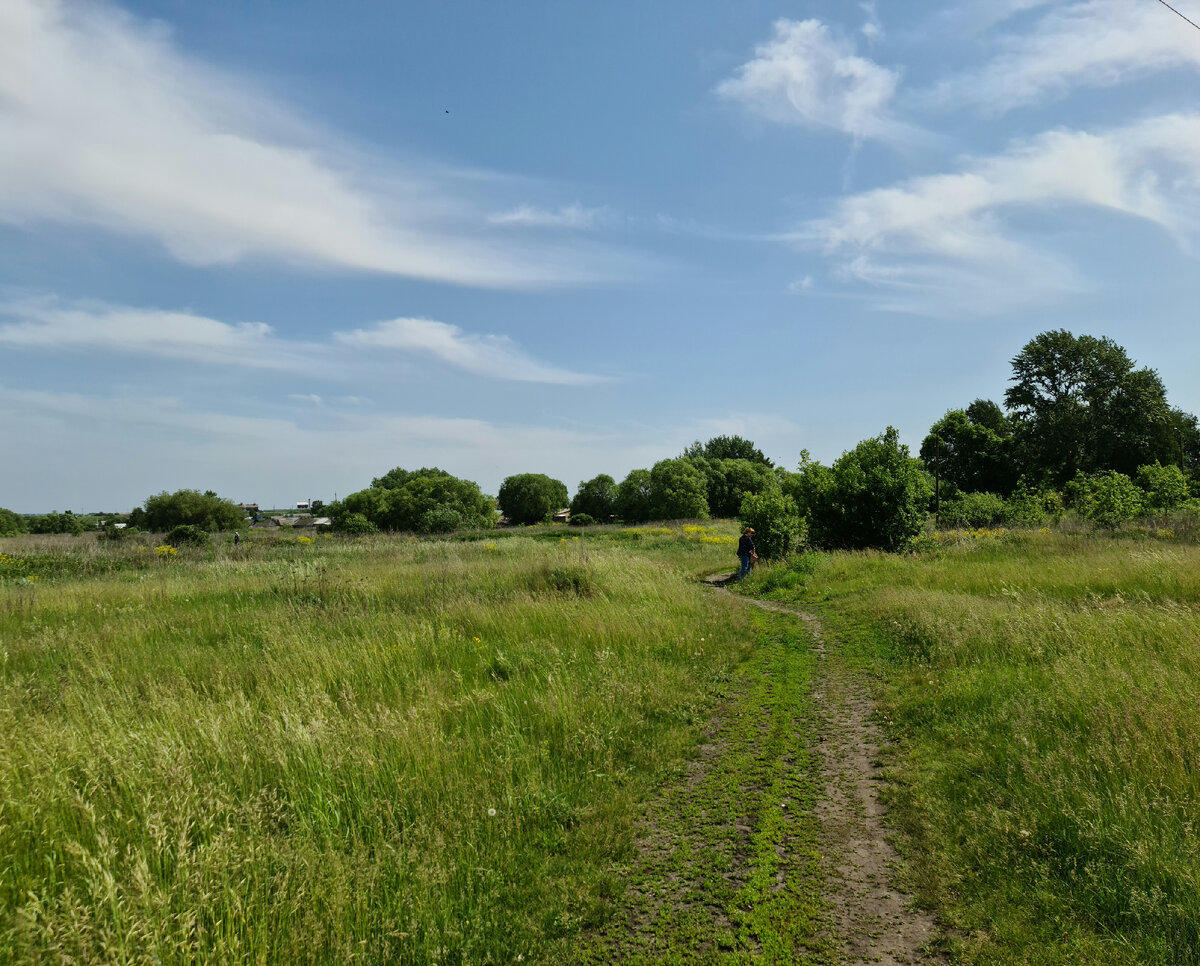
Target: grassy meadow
[(381, 750), (1040, 690)]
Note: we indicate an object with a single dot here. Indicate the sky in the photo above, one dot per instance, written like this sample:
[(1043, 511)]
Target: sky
[(275, 250)]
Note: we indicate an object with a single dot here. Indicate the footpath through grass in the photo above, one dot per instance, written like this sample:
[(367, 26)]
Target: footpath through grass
[(1040, 691), (378, 751)]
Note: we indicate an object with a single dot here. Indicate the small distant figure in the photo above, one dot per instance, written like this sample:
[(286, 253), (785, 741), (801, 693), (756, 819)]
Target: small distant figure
[(237, 538), (746, 553)]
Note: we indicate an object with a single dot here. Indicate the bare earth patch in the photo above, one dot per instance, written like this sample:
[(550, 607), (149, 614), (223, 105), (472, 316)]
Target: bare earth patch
[(873, 920)]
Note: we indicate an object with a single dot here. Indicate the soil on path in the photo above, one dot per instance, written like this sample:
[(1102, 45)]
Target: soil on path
[(873, 920)]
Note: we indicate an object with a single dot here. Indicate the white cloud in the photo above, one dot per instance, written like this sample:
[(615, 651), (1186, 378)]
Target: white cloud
[(104, 122), (1094, 43), (804, 75), (49, 324), (944, 236), (306, 397), (486, 355), (571, 216)]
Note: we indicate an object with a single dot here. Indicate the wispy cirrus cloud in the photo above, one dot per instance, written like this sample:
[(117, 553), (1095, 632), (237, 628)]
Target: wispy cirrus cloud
[(806, 75), (944, 239), (495, 356), (575, 216), (48, 323), (1094, 43), (103, 122)]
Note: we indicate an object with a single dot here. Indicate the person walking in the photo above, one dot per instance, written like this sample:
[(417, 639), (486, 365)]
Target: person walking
[(746, 552)]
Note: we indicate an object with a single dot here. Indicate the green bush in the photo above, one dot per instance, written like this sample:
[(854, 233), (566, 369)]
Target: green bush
[(440, 519), (973, 510), (420, 501), (875, 495), (778, 528), (186, 534), (1163, 487), (355, 523), (633, 497), (1107, 499), (11, 523), (582, 520), (1033, 508), (206, 511), (531, 497)]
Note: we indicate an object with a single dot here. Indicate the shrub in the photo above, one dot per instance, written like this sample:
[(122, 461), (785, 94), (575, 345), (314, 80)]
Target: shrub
[(582, 520), (1163, 487), (439, 519), (355, 523), (778, 527), (874, 496), (186, 534), (1109, 499), (422, 501), (531, 497), (1033, 508), (11, 523), (973, 510)]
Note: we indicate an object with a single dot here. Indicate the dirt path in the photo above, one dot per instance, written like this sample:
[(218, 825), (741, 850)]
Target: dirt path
[(875, 922)]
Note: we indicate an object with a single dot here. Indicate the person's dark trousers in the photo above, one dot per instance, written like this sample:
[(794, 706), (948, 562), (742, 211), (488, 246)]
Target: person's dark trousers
[(745, 559)]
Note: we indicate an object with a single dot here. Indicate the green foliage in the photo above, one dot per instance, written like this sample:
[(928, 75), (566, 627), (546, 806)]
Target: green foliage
[(1107, 499), (582, 520), (875, 496), (973, 510), (66, 522), (728, 481), (423, 501), (633, 497), (185, 535), (531, 497), (678, 491), (1031, 507), (1163, 487), (1079, 405), (778, 528), (970, 455), (192, 508), (596, 498), (807, 484), (727, 448), (11, 523)]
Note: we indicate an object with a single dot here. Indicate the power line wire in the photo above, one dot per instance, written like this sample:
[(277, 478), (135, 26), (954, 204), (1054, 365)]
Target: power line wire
[(1178, 14)]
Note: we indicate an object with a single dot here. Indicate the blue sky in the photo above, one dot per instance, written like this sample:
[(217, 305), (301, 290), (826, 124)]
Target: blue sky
[(276, 250)]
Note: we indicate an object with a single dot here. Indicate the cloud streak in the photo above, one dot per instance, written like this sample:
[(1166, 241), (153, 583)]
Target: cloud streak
[(945, 236), (104, 123), (493, 356)]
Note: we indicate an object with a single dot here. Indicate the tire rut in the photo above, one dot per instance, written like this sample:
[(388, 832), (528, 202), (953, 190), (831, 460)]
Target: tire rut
[(874, 921)]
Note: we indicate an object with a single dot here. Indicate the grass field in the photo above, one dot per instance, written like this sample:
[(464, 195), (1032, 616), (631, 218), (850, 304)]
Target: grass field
[(1041, 692), (397, 751), (382, 750)]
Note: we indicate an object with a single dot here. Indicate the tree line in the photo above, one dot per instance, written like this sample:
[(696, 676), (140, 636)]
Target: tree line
[(1082, 427)]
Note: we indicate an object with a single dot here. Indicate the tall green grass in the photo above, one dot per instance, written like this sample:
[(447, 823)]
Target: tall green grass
[(381, 750), (1041, 691)]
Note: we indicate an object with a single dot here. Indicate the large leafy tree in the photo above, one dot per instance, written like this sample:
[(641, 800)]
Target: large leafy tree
[(596, 497), (633, 497), (419, 501), (729, 481), (206, 510), (531, 497), (678, 491), (11, 523), (972, 449), (1079, 404), (728, 448)]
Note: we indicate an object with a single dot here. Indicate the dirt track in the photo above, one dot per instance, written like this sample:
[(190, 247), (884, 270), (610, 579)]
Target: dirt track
[(874, 921)]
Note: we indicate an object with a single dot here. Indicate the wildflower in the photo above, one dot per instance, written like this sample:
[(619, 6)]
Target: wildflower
[(476, 640), (491, 813)]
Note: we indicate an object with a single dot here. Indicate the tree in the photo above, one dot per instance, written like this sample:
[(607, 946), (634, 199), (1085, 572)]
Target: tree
[(11, 523), (728, 448), (1079, 405), (596, 497), (1163, 487), (531, 497), (972, 453), (424, 501), (728, 481), (633, 497), (165, 511), (1107, 499), (875, 495), (678, 491)]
